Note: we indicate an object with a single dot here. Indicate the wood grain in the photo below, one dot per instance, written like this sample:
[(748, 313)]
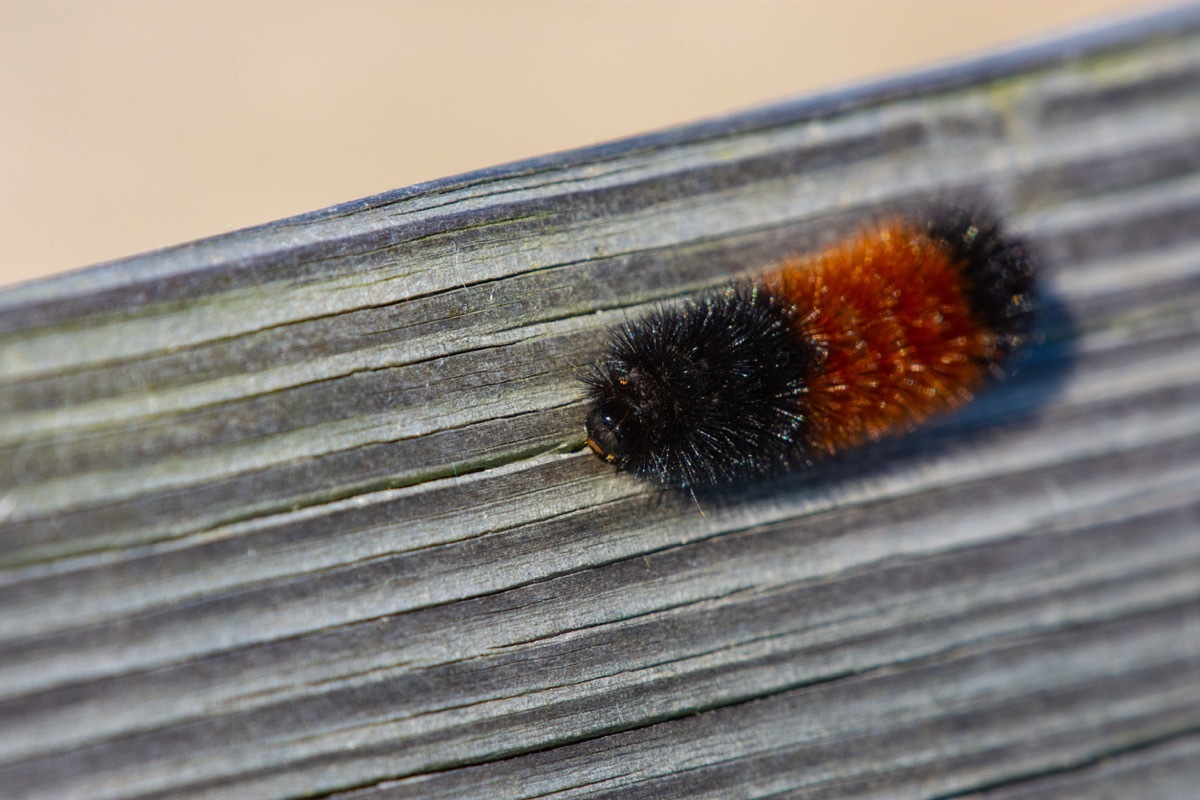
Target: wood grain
[(303, 510)]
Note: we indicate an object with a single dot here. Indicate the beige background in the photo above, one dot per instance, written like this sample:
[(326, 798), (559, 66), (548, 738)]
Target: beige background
[(130, 126)]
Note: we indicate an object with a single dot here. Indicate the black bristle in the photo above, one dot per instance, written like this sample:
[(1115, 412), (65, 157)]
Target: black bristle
[(998, 272), (686, 397)]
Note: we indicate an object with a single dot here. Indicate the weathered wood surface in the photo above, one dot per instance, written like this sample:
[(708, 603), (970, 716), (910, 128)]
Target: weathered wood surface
[(303, 510)]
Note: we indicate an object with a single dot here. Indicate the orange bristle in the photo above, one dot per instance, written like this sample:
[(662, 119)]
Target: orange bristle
[(897, 338)]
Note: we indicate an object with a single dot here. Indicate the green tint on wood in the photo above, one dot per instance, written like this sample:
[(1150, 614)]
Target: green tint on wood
[(303, 510)]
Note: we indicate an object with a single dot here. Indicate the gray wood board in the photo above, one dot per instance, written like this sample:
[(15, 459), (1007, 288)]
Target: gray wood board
[(303, 510)]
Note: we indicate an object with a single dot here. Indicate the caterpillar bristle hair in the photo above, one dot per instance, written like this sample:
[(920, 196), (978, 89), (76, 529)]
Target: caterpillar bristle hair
[(907, 319)]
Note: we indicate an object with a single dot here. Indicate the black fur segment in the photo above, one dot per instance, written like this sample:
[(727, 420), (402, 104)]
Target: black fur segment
[(707, 392), (998, 275)]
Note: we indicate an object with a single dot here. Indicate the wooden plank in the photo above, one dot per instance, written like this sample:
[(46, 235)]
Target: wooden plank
[(303, 510)]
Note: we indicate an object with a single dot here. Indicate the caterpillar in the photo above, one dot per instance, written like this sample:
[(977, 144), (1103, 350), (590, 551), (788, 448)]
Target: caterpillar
[(906, 319)]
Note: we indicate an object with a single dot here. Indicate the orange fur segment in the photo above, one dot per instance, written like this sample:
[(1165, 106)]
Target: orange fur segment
[(898, 340)]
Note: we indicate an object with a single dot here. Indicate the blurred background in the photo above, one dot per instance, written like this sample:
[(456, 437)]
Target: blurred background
[(128, 126)]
